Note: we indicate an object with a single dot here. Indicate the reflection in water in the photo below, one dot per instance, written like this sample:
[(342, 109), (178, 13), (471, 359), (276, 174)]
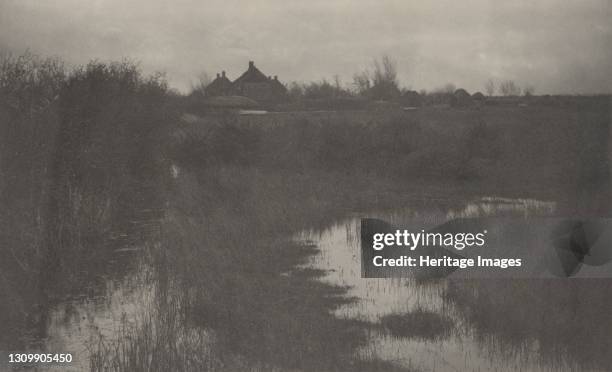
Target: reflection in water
[(496, 206), (77, 324), (473, 346)]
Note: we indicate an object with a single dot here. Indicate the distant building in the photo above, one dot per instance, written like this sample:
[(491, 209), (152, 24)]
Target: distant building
[(252, 84), (221, 86), (479, 99), (411, 98), (462, 98), (478, 96)]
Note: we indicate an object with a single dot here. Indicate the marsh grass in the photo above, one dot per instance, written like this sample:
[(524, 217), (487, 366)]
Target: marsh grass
[(158, 341), (419, 324), (227, 249), (226, 234), (78, 158), (568, 320)]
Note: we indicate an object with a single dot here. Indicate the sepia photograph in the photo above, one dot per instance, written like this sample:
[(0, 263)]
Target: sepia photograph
[(317, 186)]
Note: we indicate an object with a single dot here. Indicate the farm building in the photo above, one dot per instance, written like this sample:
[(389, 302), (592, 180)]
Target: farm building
[(221, 86), (252, 84), (478, 96), (411, 98), (479, 99), (462, 98)]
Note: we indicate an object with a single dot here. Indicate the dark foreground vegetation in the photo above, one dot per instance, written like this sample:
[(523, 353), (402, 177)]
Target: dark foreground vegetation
[(98, 158), (81, 153)]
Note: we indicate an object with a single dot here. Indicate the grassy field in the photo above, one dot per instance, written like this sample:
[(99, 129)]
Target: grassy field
[(538, 150)]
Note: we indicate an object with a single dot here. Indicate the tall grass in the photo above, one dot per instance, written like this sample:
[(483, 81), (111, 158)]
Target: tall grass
[(29, 88), (568, 319), (81, 151), (109, 153), (160, 339)]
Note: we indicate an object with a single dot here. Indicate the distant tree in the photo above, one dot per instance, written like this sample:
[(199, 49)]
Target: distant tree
[(199, 86), (295, 91), (381, 83), (528, 90), (318, 90), (509, 88), (362, 83), (337, 82), (490, 87)]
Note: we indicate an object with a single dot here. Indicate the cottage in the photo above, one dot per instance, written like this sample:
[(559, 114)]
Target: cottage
[(252, 84), (221, 86), (478, 96), (462, 98), (479, 99), (255, 85)]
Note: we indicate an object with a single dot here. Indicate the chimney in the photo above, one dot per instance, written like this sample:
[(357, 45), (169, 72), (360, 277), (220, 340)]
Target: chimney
[(270, 77), (223, 73), (217, 75), (251, 64), (276, 77)]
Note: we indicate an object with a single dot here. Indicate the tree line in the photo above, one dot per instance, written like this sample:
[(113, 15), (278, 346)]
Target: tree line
[(379, 81)]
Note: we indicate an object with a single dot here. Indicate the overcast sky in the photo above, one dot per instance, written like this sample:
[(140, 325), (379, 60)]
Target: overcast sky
[(558, 46)]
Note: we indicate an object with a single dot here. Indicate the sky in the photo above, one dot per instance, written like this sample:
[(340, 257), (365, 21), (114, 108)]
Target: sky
[(556, 46)]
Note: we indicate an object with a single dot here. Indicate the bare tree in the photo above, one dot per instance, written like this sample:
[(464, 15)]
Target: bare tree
[(509, 88), (385, 71), (490, 87), (381, 83), (362, 83), (296, 91), (203, 80), (337, 82)]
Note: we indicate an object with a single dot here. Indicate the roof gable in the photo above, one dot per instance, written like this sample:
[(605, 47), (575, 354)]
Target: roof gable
[(221, 84), (252, 75)]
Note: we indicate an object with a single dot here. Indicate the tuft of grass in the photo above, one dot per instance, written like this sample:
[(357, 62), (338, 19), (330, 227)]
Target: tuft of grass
[(419, 324)]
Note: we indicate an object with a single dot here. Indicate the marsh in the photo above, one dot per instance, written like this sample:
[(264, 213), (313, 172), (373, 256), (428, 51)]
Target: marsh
[(167, 221), (244, 257)]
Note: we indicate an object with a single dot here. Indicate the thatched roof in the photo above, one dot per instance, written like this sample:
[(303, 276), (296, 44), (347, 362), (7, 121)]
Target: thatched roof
[(460, 93), (251, 75), (478, 96), (278, 87)]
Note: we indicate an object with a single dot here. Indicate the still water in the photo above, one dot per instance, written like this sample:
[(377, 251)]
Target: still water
[(77, 324), (463, 349), (475, 342)]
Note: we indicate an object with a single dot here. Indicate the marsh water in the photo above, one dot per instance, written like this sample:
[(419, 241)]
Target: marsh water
[(460, 349), (472, 328)]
